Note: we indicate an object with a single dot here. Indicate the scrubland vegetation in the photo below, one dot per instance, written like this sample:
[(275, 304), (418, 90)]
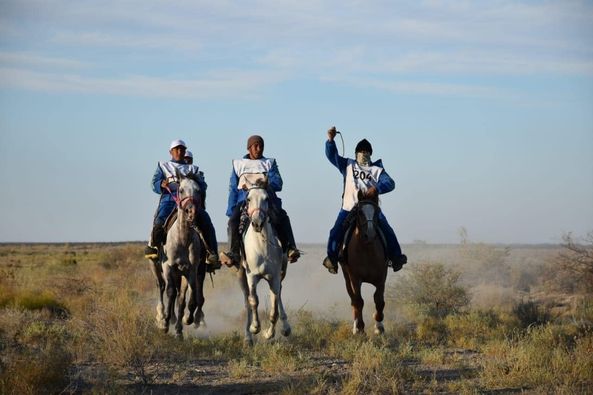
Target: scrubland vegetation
[(469, 318)]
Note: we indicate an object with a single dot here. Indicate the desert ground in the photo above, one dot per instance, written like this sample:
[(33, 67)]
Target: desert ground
[(462, 318)]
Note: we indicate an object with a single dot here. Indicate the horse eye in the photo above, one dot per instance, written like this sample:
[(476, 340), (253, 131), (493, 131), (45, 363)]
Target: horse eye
[(181, 190)]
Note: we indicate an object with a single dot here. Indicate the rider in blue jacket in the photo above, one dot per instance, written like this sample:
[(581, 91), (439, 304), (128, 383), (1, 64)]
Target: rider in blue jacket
[(360, 174), (255, 163), (165, 183)]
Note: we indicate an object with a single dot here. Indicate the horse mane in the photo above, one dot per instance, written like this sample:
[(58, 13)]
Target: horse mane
[(373, 198)]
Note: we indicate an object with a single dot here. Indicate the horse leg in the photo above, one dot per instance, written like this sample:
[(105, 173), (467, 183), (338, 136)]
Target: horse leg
[(198, 294), (379, 306), (286, 330), (170, 294), (274, 293), (353, 288), (181, 291), (253, 303), (243, 284), (188, 292), (157, 271)]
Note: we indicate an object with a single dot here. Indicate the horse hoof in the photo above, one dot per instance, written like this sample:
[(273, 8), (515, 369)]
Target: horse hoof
[(286, 332), (254, 329), (379, 329), (188, 320), (270, 334)]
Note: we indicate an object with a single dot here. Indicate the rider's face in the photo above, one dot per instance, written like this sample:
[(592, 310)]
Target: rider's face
[(177, 153), (256, 151)]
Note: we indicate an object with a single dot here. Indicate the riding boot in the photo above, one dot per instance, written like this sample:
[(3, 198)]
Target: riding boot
[(284, 230), (157, 239), (233, 256), (208, 236), (331, 264)]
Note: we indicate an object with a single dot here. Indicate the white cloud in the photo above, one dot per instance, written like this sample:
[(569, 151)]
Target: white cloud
[(28, 59), (223, 84), (348, 40)]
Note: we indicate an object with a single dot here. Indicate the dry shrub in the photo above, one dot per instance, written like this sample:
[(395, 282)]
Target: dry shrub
[(119, 333), (35, 353), (431, 290), (531, 313), (571, 271), (475, 328), (549, 358)]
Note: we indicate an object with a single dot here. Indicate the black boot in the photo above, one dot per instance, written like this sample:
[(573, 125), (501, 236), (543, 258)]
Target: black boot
[(157, 239), (331, 265), (284, 230), (233, 256), (398, 262)]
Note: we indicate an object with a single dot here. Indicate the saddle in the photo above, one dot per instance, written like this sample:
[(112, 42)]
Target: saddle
[(349, 225)]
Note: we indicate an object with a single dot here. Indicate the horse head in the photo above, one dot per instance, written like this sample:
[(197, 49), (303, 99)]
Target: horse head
[(367, 216), (189, 196), (257, 206)]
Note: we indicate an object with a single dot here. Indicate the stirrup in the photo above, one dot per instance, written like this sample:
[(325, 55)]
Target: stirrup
[(330, 266), (151, 252)]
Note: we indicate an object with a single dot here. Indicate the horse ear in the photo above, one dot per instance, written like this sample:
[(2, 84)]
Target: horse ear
[(178, 173)]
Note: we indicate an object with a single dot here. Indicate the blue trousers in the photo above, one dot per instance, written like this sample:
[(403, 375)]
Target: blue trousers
[(336, 236)]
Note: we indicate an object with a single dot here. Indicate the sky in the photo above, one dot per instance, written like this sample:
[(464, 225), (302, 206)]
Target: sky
[(482, 111)]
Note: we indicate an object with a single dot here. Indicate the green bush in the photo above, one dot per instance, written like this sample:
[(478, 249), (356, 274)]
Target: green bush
[(431, 289)]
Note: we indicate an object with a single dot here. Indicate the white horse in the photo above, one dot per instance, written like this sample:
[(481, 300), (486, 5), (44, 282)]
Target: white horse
[(180, 260), (263, 259)]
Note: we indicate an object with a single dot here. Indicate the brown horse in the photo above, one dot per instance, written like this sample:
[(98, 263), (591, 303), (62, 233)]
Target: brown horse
[(365, 262)]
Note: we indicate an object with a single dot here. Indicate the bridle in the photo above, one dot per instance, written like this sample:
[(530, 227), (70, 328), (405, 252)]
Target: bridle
[(367, 221), (252, 211), (183, 202)]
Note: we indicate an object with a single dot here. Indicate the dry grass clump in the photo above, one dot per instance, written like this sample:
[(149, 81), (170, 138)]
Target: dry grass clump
[(549, 358), (35, 353), (118, 333), (376, 370), (472, 329)]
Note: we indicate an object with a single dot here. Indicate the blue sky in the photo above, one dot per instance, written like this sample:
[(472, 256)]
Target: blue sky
[(482, 111)]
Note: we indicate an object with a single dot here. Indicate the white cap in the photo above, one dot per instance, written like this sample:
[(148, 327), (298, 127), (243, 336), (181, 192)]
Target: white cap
[(188, 154), (177, 143)]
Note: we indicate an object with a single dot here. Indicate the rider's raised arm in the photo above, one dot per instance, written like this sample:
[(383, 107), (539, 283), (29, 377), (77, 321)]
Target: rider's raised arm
[(157, 178), (233, 193), (331, 152), (274, 178)]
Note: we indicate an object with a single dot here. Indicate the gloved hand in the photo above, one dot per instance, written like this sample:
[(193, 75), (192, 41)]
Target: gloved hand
[(331, 133), (371, 192)]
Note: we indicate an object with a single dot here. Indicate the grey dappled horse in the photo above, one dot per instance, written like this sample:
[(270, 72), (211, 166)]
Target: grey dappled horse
[(180, 271), (264, 259)]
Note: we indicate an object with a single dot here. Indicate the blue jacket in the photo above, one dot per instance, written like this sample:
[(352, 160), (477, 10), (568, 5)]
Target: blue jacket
[(237, 196), (159, 176), (385, 183)]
